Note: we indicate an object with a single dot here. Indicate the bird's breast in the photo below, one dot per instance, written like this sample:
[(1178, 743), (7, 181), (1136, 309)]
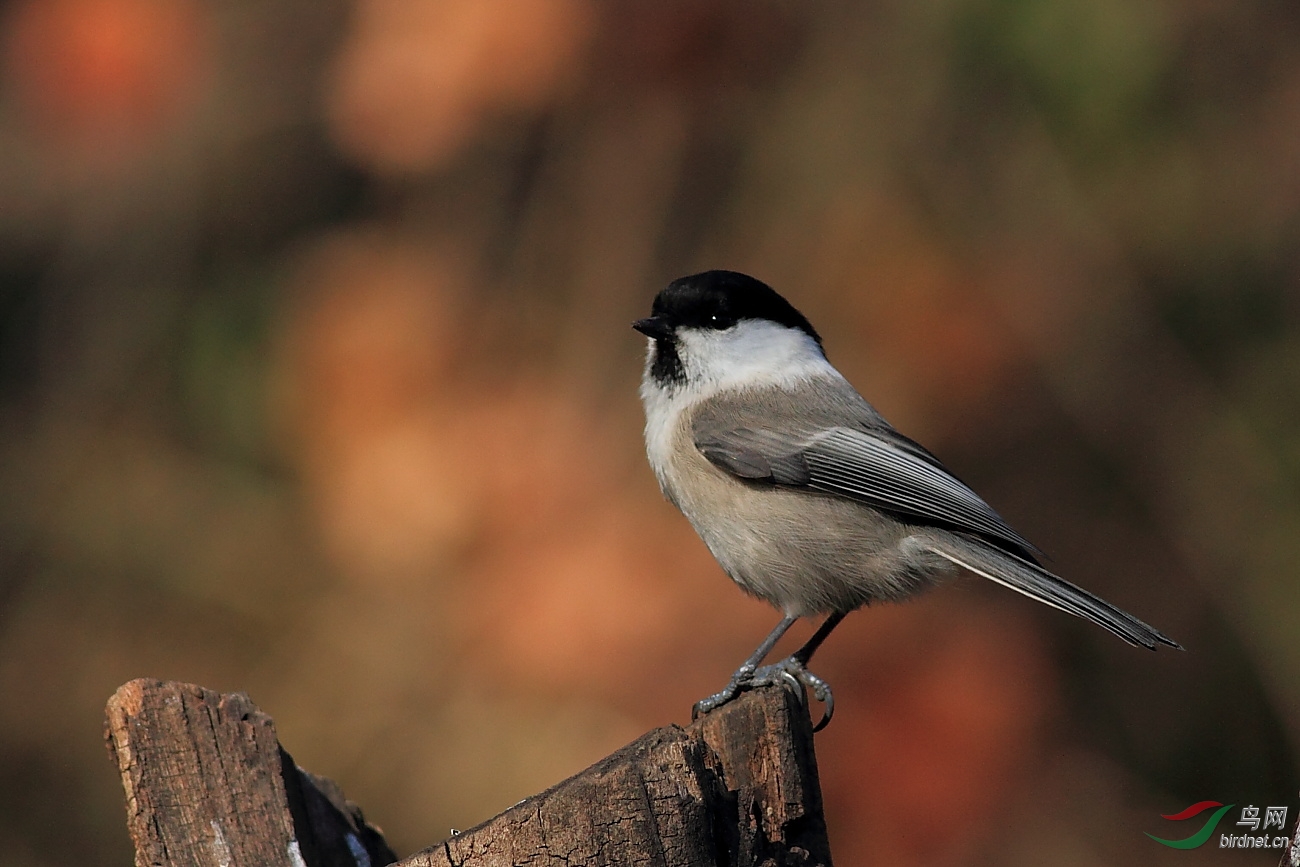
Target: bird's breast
[(804, 553)]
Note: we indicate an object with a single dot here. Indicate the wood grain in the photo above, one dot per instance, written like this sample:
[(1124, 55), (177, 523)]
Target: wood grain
[(207, 784), (738, 787)]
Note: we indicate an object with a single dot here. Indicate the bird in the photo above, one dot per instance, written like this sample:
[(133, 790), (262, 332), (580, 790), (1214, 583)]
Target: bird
[(802, 491)]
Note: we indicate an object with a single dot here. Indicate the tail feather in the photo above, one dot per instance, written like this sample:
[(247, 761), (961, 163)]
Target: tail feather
[(1037, 583)]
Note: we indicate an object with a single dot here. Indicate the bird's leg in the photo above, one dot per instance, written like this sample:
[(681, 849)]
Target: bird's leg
[(805, 653), (793, 670), (744, 676)]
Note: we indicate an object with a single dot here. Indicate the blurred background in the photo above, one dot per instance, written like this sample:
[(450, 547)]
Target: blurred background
[(317, 382)]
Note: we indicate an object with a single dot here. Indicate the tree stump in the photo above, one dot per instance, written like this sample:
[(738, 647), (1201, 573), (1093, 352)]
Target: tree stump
[(1291, 854), (207, 783)]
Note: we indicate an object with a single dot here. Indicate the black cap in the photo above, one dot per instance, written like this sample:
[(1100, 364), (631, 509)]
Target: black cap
[(719, 299)]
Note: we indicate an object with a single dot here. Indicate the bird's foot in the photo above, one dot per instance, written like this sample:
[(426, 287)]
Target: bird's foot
[(742, 680), (790, 672), (794, 673)]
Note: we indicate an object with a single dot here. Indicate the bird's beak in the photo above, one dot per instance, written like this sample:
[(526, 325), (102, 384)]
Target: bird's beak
[(654, 327)]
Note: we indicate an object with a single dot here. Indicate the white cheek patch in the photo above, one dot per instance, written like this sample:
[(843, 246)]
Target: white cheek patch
[(753, 352)]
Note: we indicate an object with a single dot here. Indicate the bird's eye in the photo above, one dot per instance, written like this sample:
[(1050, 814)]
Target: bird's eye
[(721, 321)]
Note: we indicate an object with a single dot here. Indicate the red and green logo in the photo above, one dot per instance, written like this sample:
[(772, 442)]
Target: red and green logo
[(1207, 830)]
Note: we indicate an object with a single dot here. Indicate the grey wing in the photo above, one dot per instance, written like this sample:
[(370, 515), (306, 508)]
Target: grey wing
[(869, 462), (874, 465), (755, 455)]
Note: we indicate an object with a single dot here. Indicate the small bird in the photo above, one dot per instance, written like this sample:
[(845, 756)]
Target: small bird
[(801, 490)]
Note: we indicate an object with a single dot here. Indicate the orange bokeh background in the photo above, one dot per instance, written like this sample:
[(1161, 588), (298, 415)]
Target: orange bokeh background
[(317, 382)]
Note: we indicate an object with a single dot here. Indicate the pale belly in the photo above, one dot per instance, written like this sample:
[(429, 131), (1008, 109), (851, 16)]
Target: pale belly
[(804, 553)]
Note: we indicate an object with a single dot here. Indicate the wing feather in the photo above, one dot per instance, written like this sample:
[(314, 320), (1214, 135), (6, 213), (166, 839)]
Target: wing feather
[(874, 465), (838, 445)]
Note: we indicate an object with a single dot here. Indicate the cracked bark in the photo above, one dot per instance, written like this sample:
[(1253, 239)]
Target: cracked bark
[(1291, 854), (738, 787), (207, 783)]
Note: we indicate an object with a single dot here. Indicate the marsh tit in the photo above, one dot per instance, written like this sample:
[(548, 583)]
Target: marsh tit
[(803, 493)]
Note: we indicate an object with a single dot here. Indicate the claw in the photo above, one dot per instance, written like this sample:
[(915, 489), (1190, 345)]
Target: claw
[(792, 681), (828, 709), (789, 672), (822, 691), (792, 672), (742, 680)]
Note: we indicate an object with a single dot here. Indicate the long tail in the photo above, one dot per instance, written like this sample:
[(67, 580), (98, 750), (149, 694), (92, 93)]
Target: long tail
[(1037, 583)]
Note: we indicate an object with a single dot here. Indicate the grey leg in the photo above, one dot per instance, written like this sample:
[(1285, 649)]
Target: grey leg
[(794, 671), (804, 654), (743, 678)]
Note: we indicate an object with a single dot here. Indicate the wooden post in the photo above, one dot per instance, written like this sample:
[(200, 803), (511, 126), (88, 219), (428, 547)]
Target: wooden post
[(1291, 854), (207, 783)]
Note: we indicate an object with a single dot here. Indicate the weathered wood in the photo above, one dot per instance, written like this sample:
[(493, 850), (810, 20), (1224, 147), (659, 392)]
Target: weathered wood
[(207, 783), (1291, 854), (738, 787)]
